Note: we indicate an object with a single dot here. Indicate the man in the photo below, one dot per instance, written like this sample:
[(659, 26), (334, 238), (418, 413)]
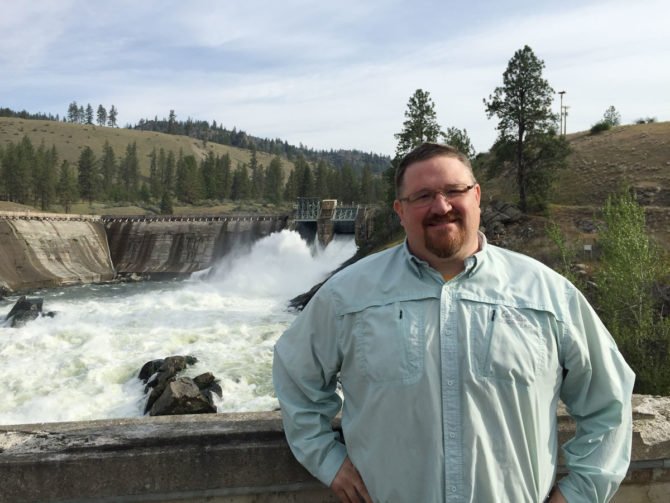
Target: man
[(452, 355)]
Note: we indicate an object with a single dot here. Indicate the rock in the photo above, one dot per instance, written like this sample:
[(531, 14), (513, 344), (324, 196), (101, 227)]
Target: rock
[(182, 396), (177, 395), (26, 310), (156, 374), (587, 225)]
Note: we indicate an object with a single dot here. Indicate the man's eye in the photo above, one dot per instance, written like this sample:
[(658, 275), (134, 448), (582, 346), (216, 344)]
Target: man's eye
[(422, 197)]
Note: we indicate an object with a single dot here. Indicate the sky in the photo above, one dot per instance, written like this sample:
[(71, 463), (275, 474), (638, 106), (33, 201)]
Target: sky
[(330, 75)]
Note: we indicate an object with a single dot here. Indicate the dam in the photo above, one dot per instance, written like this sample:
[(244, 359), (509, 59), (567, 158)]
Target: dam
[(40, 250)]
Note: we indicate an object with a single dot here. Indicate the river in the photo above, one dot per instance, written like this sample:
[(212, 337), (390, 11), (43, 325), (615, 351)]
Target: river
[(83, 363)]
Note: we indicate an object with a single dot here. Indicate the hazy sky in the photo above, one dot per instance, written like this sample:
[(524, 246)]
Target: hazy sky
[(330, 74)]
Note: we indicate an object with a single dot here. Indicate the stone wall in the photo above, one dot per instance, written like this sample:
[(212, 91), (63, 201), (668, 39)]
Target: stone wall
[(231, 458)]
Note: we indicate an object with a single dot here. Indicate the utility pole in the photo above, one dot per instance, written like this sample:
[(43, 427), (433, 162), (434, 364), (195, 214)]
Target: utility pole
[(561, 93), (565, 119)]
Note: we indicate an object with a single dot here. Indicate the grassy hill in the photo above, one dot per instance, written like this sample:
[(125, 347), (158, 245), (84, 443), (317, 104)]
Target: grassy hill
[(599, 165), (70, 138)]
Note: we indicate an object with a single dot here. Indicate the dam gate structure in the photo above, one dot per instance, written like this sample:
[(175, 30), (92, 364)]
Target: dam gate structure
[(322, 219)]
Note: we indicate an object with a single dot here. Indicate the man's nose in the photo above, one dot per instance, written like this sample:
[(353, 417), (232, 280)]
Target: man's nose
[(440, 203)]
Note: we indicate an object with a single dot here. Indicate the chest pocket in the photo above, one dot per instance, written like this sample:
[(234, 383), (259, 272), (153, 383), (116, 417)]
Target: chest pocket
[(506, 344), (390, 342)]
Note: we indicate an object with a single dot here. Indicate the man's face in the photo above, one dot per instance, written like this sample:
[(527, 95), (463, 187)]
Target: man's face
[(443, 229)]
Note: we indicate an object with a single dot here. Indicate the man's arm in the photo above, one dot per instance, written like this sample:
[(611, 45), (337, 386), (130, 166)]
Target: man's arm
[(597, 393), (306, 362)]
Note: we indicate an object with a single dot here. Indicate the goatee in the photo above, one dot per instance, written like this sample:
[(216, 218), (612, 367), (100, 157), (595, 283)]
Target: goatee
[(443, 243)]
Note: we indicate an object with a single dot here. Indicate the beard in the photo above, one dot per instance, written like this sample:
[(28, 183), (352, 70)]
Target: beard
[(443, 244)]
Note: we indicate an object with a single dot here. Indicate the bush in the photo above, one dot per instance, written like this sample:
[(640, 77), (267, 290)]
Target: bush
[(601, 126)]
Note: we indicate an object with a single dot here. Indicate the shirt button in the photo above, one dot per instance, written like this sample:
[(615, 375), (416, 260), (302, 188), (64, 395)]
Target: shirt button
[(452, 435), (453, 489), (450, 382)]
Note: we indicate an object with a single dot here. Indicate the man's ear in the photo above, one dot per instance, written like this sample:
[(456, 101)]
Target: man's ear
[(397, 207)]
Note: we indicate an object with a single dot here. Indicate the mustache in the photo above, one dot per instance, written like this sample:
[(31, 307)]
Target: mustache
[(452, 216)]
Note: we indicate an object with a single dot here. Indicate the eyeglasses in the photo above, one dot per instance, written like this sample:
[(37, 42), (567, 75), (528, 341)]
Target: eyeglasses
[(426, 197)]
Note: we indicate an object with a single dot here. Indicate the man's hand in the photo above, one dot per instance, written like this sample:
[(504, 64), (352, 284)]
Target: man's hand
[(348, 484), (556, 496)]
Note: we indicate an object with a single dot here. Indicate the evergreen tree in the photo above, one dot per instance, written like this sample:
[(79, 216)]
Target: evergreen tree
[(209, 176), (420, 124), (291, 187), (166, 204), (526, 127), (108, 172), (349, 185), (156, 187), (82, 115), (111, 117), (274, 181), (189, 186), (67, 189), (73, 112), (89, 114), (367, 189), (240, 188), (169, 173), (321, 188), (89, 181), (224, 176), (459, 139), (44, 176), (172, 123), (101, 115), (129, 172)]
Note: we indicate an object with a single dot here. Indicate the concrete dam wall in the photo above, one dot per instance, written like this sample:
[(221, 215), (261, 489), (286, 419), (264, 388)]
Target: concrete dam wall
[(184, 245), (40, 250), (52, 250)]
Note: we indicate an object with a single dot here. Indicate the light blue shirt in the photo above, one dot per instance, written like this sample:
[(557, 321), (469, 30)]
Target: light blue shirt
[(450, 388)]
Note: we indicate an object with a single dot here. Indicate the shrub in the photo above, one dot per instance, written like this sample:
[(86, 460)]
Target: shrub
[(601, 126)]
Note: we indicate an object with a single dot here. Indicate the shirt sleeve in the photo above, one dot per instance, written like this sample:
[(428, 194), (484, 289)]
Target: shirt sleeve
[(306, 362), (597, 393)]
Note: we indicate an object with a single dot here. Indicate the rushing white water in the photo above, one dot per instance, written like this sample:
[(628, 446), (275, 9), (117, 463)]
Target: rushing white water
[(83, 363)]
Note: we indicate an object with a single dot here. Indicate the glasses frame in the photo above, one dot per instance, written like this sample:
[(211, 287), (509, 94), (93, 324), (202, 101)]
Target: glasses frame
[(449, 194)]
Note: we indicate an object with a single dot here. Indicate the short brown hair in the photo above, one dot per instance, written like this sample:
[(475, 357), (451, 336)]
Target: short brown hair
[(424, 152)]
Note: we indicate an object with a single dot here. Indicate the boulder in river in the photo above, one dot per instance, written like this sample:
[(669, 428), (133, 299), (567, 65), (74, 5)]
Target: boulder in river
[(26, 310), (177, 395)]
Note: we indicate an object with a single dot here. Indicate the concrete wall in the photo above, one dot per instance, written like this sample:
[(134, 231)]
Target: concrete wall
[(42, 250), (232, 458), (182, 246)]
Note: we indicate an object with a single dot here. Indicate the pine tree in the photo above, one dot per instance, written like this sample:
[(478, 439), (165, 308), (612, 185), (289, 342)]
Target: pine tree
[(526, 127), (101, 115), (129, 172), (67, 189), (209, 176), (321, 188), (420, 124), (224, 176), (111, 117), (274, 181), (166, 204), (156, 187), (108, 172), (367, 194), (240, 188), (89, 114), (89, 181), (73, 112), (169, 173)]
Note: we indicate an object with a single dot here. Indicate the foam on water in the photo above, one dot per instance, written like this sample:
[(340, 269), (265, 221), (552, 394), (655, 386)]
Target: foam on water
[(82, 364)]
